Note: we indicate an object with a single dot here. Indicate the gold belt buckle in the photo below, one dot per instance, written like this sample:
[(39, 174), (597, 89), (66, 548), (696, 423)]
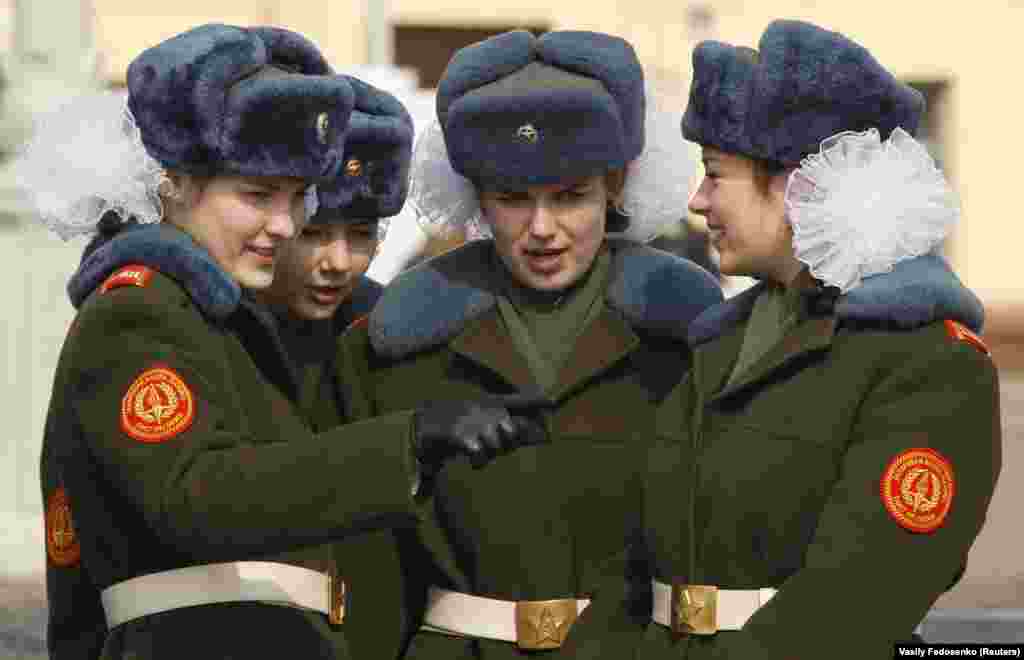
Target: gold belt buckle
[(544, 624), (335, 596), (694, 609)]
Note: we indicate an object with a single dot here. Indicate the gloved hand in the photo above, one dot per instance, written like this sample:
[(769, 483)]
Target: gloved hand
[(479, 429)]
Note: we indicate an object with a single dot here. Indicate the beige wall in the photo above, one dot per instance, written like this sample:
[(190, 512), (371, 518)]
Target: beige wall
[(126, 27)]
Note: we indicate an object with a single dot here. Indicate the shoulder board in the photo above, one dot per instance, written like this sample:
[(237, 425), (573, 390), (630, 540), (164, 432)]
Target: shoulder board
[(361, 322), (960, 332), (133, 275)]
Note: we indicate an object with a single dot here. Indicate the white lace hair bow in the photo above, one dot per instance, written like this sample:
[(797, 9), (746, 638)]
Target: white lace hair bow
[(86, 158), (862, 205), (655, 195)]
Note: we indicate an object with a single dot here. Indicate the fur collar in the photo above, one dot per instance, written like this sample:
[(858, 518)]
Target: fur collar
[(365, 295), (428, 305), (168, 250), (915, 293)]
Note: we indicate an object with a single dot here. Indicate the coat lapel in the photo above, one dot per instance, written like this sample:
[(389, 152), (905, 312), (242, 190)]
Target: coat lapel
[(713, 362), (603, 342), (486, 342), (809, 335), (716, 338)]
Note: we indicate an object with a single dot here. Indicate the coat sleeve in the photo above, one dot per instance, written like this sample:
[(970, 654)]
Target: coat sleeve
[(867, 581), (76, 625), (213, 486)]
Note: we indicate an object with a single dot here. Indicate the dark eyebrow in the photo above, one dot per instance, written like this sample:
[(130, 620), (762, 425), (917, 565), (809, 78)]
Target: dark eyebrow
[(263, 186), (275, 185)]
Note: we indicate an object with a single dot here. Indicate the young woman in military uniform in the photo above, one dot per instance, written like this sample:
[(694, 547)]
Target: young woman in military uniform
[(542, 142), (319, 288), (181, 482), (820, 480), (320, 284)]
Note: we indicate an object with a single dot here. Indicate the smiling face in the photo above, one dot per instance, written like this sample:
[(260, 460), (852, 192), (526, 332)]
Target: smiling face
[(318, 269), (745, 212), (548, 235), (242, 222)]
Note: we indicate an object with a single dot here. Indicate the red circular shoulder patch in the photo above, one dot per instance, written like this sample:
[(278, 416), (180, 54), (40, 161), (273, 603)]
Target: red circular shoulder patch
[(62, 545), (157, 406), (917, 489)]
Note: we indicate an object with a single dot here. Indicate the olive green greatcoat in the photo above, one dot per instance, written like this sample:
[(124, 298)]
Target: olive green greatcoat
[(77, 627), (369, 562), (245, 481), (774, 479), (540, 522)]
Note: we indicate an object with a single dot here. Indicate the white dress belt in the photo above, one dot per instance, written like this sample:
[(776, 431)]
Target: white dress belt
[(263, 581), (465, 615), (733, 606)]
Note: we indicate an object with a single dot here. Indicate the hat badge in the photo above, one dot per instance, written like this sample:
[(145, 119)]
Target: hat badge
[(322, 126), (527, 133), (353, 167)]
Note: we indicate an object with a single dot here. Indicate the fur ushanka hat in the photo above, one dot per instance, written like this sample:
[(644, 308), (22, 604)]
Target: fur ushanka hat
[(373, 178), (804, 84), (220, 99), (516, 109)]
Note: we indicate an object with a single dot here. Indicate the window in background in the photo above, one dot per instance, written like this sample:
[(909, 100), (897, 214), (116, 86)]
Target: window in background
[(427, 49), (931, 131)]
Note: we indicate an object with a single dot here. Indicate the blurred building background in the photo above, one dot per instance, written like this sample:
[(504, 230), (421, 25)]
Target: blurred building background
[(954, 53)]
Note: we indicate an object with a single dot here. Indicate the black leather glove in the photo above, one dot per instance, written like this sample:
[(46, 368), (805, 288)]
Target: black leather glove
[(479, 429)]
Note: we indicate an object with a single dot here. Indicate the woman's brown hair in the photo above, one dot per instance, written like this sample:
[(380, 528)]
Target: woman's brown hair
[(764, 172)]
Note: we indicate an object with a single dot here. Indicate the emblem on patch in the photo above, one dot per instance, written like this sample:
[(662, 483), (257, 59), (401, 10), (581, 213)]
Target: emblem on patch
[(917, 489), (62, 545), (323, 124), (527, 133), (960, 332), (353, 167), (158, 405), (134, 275)]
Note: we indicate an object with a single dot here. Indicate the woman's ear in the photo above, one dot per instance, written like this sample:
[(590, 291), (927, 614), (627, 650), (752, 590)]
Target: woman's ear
[(180, 192)]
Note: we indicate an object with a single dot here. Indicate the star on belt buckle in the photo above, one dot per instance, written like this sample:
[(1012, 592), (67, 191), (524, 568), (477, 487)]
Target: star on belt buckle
[(694, 609), (335, 597), (544, 624)]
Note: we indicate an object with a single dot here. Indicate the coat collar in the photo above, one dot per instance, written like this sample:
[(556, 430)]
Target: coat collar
[(365, 295), (603, 343), (167, 249), (916, 292), (429, 305)]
